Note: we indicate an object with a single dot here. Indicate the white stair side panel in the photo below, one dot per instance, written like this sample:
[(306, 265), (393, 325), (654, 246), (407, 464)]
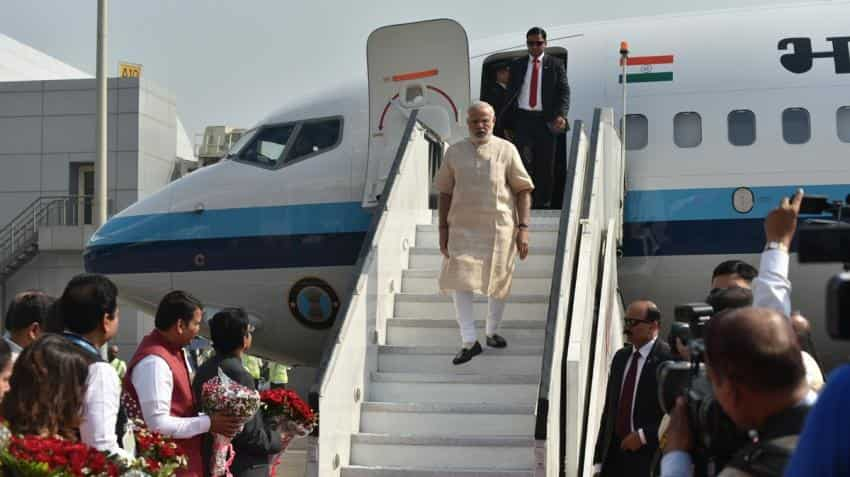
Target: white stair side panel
[(452, 452)]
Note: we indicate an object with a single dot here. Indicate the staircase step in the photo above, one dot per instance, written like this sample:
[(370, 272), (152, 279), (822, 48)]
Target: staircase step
[(447, 451), (460, 388), (538, 258), (359, 471), (435, 332), (438, 360), (427, 283), (423, 418), (518, 307)]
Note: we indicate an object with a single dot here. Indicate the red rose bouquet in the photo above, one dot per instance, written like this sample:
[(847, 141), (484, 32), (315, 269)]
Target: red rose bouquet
[(156, 455), (222, 395), (292, 416), (34, 456)]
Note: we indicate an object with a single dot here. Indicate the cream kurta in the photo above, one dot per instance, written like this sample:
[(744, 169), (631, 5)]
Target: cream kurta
[(483, 181)]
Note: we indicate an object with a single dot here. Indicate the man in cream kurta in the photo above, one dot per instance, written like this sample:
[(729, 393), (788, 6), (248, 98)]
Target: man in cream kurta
[(485, 207)]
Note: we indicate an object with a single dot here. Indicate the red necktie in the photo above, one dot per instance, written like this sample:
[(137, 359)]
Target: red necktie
[(535, 76), (624, 415)]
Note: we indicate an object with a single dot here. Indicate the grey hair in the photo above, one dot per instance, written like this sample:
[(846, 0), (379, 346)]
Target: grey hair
[(479, 105)]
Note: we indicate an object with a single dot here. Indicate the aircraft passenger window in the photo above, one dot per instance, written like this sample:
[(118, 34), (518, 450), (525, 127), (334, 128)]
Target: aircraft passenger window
[(268, 146), (742, 127), (687, 129), (842, 119), (315, 137), (637, 132), (796, 126)]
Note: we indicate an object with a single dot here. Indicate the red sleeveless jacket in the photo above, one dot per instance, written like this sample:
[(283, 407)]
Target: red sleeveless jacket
[(182, 400)]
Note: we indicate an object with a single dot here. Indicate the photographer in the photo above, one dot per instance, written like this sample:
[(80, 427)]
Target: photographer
[(771, 288), (756, 369)]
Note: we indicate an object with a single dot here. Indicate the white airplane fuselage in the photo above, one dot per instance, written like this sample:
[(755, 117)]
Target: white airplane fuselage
[(241, 234)]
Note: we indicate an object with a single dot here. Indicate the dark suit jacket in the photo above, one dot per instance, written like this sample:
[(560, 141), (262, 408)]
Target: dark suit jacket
[(647, 412), (498, 97), (258, 441), (555, 93)]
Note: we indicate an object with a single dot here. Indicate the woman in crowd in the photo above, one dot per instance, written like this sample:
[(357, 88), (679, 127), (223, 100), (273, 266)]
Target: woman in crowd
[(47, 388), (231, 331)]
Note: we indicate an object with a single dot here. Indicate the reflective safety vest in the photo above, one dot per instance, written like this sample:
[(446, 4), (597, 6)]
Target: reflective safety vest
[(120, 367), (252, 365), (279, 374)]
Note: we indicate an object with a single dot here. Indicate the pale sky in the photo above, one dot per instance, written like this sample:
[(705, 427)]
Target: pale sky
[(234, 62)]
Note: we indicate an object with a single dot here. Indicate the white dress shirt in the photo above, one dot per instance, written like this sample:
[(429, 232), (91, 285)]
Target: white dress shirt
[(771, 288), (15, 347), (102, 400), (154, 384), (525, 90)]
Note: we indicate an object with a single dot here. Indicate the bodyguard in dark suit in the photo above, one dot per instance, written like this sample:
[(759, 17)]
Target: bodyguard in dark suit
[(497, 93), (628, 433), (231, 331), (539, 114)]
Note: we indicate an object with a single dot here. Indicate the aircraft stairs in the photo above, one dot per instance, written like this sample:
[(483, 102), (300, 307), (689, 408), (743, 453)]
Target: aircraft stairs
[(391, 402)]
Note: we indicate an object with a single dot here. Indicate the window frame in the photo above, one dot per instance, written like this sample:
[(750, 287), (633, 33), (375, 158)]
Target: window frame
[(296, 134), (837, 125), (699, 118), (646, 137), (729, 129), (284, 162), (808, 122)]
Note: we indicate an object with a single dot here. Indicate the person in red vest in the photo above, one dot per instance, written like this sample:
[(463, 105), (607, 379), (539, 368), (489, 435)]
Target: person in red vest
[(158, 385)]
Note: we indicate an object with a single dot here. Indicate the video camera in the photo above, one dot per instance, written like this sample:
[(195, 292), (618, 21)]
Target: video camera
[(716, 436), (828, 241)]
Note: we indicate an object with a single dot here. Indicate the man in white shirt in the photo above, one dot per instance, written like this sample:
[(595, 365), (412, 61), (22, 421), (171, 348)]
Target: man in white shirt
[(25, 319), (90, 307), (772, 289), (159, 386), (628, 432), (541, 92)]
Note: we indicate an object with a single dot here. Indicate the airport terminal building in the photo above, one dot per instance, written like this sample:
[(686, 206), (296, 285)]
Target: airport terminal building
[(47, 156)]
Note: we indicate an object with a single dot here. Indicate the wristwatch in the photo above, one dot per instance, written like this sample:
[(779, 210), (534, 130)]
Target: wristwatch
[(774, 245), (521, 226)]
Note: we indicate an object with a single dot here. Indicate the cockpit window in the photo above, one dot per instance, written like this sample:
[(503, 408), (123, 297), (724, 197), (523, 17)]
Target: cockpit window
[(239, 144), (268, 146), (315, 137)]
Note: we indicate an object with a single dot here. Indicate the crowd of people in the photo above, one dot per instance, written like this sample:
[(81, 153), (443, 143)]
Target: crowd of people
[(54, 380)]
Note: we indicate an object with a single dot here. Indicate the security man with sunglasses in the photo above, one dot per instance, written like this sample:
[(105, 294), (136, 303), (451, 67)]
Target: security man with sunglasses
[(541, 100), (628, 433)]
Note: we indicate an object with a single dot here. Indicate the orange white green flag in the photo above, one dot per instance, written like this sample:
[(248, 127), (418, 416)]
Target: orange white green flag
[(648, 69)]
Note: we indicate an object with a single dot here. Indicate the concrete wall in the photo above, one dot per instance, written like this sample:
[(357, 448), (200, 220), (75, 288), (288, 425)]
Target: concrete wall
[(47, 132)]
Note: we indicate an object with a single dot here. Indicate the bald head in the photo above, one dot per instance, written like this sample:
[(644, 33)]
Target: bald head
[(638, 309), (642, 322), (756, 348)]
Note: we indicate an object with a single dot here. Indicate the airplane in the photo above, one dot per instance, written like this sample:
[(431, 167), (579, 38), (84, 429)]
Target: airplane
[(727, 112)]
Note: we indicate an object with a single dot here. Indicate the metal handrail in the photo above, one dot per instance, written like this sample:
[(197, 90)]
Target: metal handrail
[(555, 287), (363, 261), (22, 231)]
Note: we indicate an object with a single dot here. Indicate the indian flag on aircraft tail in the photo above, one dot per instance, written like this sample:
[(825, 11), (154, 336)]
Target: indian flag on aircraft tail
[(648, 69)]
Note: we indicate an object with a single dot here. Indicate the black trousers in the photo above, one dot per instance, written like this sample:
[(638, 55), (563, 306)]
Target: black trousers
[(537, 145), (620, 463)]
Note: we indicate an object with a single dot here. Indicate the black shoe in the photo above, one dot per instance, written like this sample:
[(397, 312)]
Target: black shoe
[(465, 354), (496, 341)]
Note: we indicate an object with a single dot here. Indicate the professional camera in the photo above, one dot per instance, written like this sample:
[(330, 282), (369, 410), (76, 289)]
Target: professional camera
[(715, 436), (824, 241)]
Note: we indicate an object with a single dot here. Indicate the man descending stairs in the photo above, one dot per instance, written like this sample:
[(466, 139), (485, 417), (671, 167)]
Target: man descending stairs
[(426, 417)]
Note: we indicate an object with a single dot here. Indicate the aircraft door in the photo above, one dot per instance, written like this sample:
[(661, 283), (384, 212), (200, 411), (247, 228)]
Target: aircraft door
[(420, 66)]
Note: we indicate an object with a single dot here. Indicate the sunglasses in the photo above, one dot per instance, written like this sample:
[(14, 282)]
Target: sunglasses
[(632, 322), (535, 43)]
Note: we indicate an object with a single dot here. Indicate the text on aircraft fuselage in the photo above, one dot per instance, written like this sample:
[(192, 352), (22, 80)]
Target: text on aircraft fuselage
[(801, 60)]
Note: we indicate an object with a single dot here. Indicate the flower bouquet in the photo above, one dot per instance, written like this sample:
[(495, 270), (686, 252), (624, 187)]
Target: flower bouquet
[(156, 455), (289, 414), (222, 395), (34, 456)]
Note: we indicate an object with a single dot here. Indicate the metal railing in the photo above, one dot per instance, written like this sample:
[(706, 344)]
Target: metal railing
[(19, 237)]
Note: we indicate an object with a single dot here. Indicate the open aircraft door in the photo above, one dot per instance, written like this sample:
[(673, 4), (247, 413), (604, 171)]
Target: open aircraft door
[(420, 66)]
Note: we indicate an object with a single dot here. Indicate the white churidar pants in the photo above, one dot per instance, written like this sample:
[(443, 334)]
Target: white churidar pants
[(466, 319)]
